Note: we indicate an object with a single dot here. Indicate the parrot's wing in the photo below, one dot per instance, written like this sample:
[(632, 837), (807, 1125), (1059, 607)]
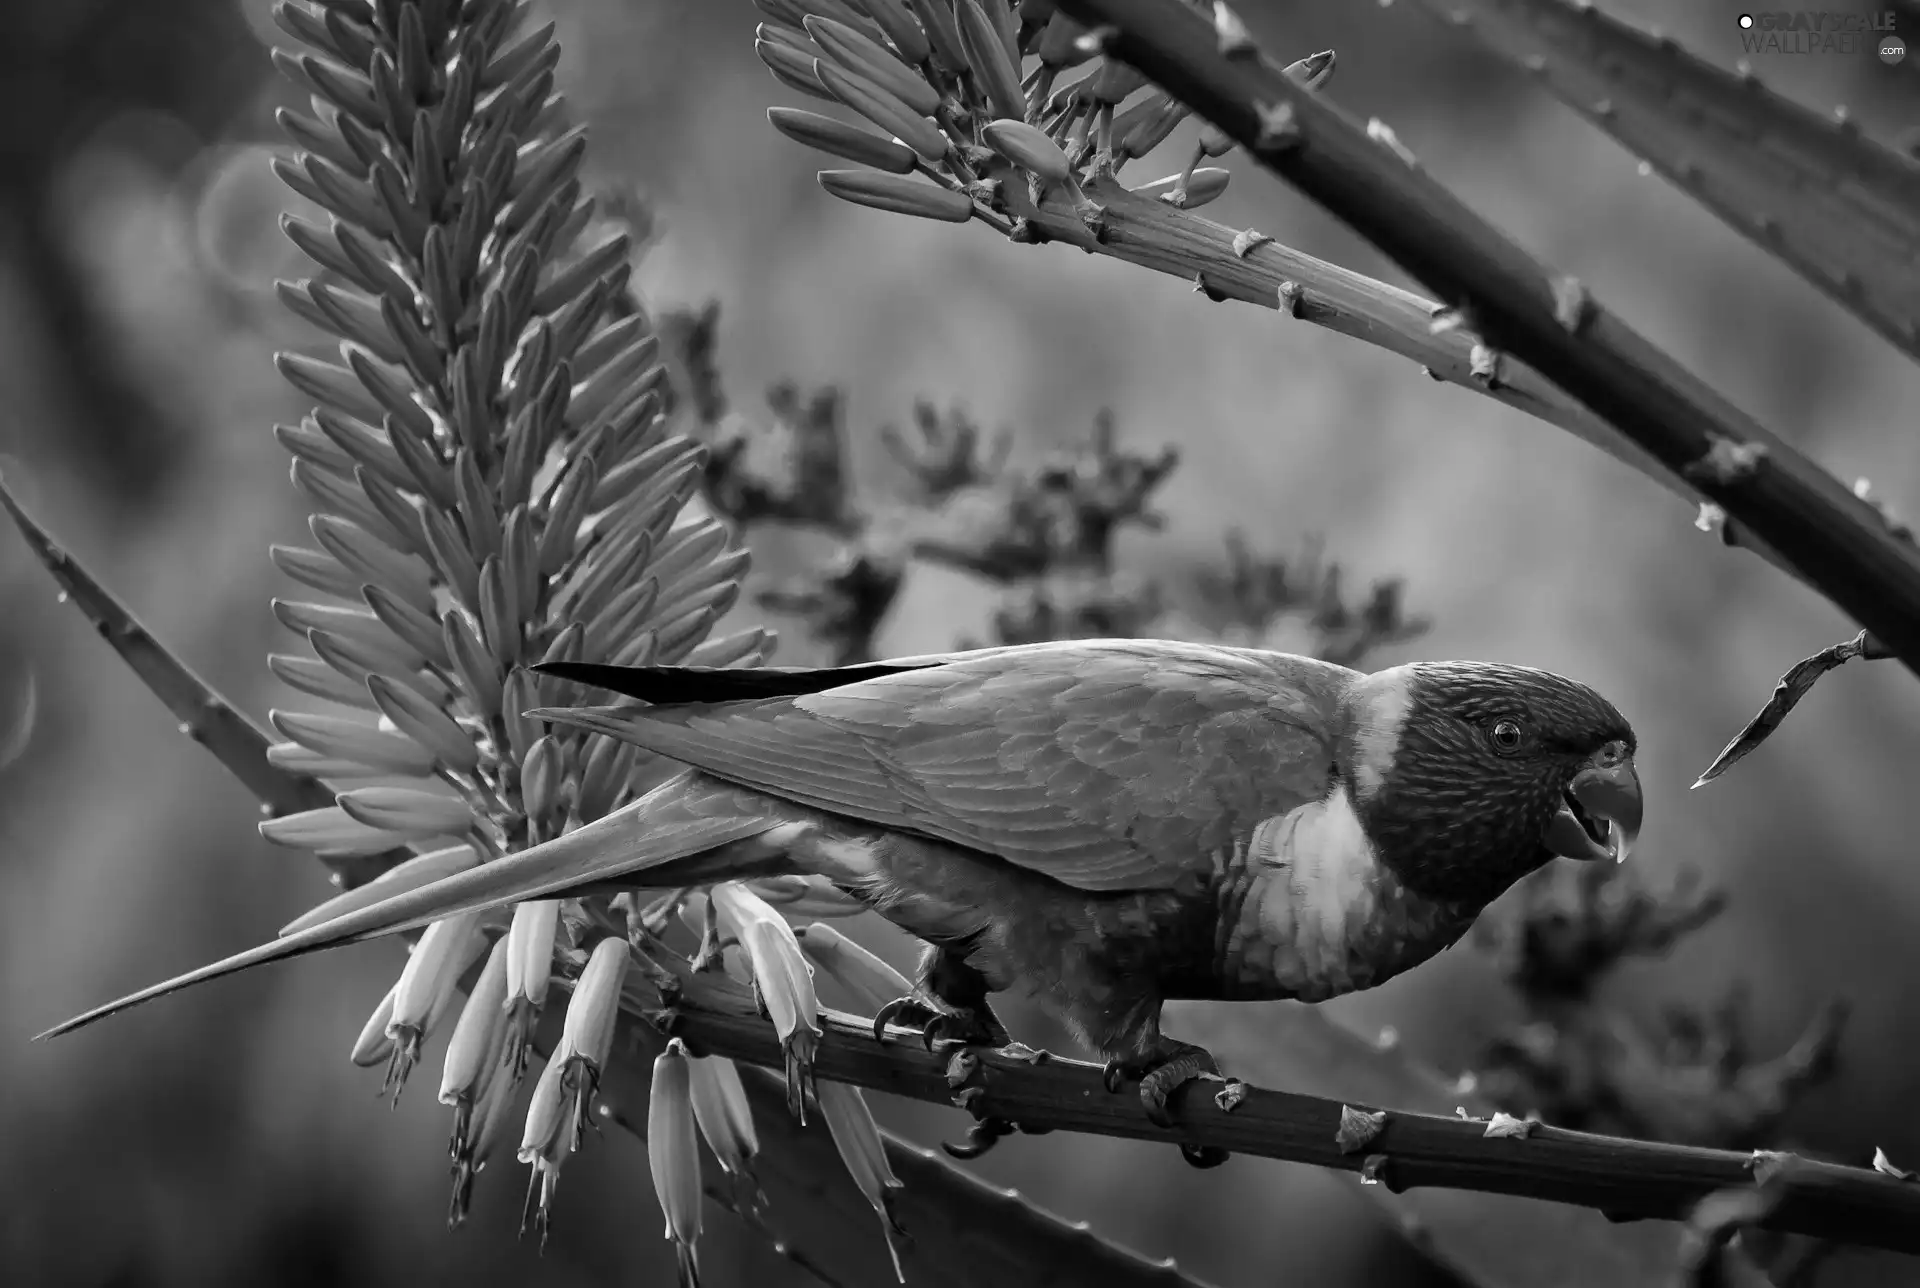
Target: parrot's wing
[(1107, 765)]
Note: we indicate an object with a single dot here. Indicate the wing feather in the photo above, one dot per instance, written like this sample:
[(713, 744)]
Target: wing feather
[(1107, 765)]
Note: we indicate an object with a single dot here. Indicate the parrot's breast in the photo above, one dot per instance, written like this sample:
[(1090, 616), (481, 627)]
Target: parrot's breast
[(1321, 915)]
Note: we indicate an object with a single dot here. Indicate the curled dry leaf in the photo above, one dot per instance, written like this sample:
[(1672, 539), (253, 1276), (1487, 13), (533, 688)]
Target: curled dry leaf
[(1793, 686), (1503, 1124), (1359, 1128)]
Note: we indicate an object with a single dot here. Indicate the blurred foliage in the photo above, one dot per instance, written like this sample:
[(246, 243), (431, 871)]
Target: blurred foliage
[(239, 1148)]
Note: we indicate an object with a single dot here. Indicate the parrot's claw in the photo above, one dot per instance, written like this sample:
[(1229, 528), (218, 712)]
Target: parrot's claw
[(937, 1024), (1204, 1156), (985, 1134), (1162, 1077)]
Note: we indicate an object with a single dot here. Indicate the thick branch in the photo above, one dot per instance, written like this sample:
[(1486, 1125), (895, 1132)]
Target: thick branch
[(1250, 268), (1833, 539), (1627, 1179)]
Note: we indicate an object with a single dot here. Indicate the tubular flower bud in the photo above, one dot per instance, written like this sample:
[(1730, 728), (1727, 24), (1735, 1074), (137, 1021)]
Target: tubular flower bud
[(544, 1144), (726, 1120), (529, 969), (675, 1156), (473, 1052), (782, 982), (587, 1038), (540, 780), (373, 1046), (871, 981), (492, 1118), (862, 1149), (427, 987)]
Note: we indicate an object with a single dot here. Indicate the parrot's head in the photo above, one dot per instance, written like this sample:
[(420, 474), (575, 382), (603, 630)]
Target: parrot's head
[(1469, 775)]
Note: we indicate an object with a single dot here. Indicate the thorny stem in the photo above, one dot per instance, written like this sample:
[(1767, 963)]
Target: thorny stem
[(1249, 268), (1626, 1179), (943, 1208), (1837, 542)]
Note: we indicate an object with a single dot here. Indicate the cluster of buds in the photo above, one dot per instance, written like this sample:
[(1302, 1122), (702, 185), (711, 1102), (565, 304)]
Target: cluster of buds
[(496, 484), (986, 109)]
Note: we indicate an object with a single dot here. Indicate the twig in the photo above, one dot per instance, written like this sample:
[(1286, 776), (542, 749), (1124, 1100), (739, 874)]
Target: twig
[(1501, 294), (1627, 1179)]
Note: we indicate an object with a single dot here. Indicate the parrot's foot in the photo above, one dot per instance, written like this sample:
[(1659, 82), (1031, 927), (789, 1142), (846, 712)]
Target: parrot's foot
[(985, 1134), (1163, 1074), (964, 1073), (939, 1022)]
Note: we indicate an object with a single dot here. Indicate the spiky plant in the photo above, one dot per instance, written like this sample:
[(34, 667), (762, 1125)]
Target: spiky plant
[(495, 485), (495, 482)]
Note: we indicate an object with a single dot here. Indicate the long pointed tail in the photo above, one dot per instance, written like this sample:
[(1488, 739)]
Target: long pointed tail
[(688, 816)]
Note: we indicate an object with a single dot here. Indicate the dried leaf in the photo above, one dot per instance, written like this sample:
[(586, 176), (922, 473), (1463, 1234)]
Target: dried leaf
[(1792, 687), (1884, 1165), (1358, 1129), (1506, 1125)]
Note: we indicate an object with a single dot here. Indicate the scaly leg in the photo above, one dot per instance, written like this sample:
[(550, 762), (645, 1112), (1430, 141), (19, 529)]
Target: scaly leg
[(951, 1004)]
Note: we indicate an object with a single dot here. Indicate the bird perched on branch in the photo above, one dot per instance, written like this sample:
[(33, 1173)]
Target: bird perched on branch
[(1111, 824)]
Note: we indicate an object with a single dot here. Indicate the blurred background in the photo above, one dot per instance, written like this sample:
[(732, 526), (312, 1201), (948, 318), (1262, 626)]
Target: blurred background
[(224, 1138)]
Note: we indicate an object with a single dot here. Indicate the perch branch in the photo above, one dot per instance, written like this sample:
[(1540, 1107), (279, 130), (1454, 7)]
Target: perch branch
[(1627, 1179), (941, 1206), (1837, 542)]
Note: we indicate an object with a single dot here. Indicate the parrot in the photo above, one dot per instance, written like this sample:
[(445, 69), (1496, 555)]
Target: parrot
[(1107, 825)]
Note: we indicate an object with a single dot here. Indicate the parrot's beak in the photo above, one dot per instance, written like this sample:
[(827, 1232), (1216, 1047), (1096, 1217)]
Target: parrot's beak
[(1599, 814)]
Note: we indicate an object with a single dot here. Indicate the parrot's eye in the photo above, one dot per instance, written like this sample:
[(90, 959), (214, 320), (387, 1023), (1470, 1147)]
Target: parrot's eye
[(1505, 736)]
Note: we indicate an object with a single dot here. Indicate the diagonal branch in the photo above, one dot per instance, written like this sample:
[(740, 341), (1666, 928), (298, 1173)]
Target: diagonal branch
[(1833, 539), (1626, 1179), (1251, 268)]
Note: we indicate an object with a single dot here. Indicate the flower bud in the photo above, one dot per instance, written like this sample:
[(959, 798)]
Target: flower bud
[(529, 970), (864, 1151), (373, 1046), (540, 776), (782, 981), (408, 811), (592, 1012), (544, 1144), (490, 1123), (726, 1119), (473, 1052), (471, 1070), (427, 987), (1029, 148), (675, 1156), (872, 982)]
